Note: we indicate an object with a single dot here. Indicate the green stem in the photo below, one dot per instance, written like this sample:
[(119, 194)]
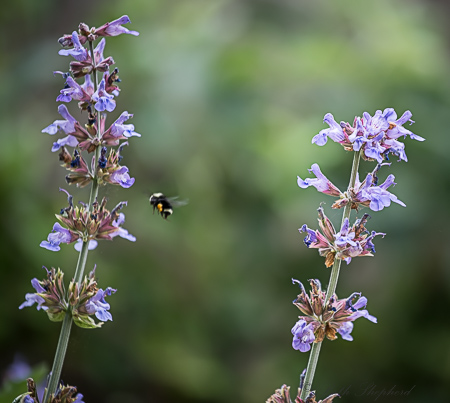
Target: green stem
[(334, 276), (91, 49), (59, 356), (79, 272), (65, 329)]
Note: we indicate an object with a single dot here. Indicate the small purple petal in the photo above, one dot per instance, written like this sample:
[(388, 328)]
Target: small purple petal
[(99, 306), (30, 299), (122, 177), (98, 51), (58, 235), (37, 286), (303, 336), (103, 100), (70, 141), (335, 131), (122, 232), (321, 138), (49, 246), (92, 245), (345, 331)]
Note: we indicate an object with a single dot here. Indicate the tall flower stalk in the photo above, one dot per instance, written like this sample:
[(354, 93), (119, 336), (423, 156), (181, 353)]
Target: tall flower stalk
[(86, 223), (371, 138)]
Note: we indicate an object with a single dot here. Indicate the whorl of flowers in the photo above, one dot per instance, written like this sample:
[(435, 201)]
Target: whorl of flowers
[(346, 244), (83, 300), (328, 317), (85, 225), (366, 193), (376, 135)]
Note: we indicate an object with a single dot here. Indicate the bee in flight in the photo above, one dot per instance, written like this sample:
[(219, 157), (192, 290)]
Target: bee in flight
[(164, 204)]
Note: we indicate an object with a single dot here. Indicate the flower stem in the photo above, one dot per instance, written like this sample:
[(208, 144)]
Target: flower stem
[(79, 272), (334, 276), (59, 357)]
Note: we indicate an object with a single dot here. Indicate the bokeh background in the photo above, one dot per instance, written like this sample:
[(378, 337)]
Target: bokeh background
[(227, 96)]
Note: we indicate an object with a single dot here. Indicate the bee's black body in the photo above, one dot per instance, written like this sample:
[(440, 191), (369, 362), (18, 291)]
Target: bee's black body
[(162, 204)]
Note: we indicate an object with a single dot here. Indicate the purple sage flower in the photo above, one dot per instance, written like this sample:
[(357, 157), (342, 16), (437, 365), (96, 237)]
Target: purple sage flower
[(99, 306), (78, 52), (378, 197), (303, 336), (122, 232), (31, 299), (119, 131), (58, 235), (73, 90), (334, 132), (320, 182), (121, 177), (103, 100), (69, 126), (114, 28)]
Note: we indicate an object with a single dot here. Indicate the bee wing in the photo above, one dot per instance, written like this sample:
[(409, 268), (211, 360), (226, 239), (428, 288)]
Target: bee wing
[(177, 203)]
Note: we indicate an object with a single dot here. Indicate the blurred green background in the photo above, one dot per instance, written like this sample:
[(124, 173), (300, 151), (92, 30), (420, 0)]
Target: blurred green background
[(227, 96)]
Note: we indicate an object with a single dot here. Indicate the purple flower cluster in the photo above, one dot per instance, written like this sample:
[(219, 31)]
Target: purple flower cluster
[(366, 193), (376, 135), (49, 295), (85, 225), (324, 318), (85, 299), (346, 244)]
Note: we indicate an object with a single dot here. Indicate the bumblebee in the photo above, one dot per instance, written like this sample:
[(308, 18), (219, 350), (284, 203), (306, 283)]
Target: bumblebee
[(164, 204)]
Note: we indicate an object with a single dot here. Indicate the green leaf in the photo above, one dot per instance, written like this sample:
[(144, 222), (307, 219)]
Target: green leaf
[(86, 322)]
